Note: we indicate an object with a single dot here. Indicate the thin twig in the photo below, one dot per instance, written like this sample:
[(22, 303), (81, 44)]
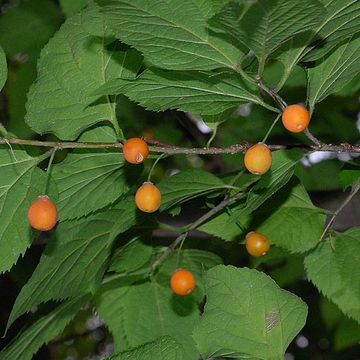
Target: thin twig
[(272, 93), (312, 138), (354, 190)]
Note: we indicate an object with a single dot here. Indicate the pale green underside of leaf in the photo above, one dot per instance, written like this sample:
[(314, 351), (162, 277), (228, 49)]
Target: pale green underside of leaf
[(281, 171), (72, 65), (334, 72), (170, 34), (186, 185), (335, 272), (164, 348), (3, 68), (21, 182), (267, 24), (247, 316), (90, 181), (74, 260), (29, 341), (141, 313), (200, 92)]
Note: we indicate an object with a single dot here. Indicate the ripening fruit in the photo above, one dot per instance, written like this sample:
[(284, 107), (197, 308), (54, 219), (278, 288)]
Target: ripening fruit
[(43, 214), (258, 159), (182, 282), (148, 197), (257, 244), (296, 118), (135, 150)]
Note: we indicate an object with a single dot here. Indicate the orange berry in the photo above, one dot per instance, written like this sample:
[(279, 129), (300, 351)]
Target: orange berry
[(182, 282), (43, 214), (148, 197), (296, 118), (258, 159), (135, 150), (257, 244)]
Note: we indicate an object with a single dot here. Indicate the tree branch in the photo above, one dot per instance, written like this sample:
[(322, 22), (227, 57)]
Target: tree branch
[(159, 147)]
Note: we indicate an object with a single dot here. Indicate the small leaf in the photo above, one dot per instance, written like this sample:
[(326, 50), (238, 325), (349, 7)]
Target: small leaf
[(75, 260), (3, 68), (186, 185), (247, 315), (164, 348), (334, 72), (200, 92), (161, 313), (43, 330), (72, 65), (170, 35), (334, 272)]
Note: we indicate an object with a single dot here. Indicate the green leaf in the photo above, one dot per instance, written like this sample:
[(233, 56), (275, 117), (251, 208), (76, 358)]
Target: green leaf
[(71, 7), (334, 72), (247, 315), (186, 185), (75, 260), (91, 181), (164, 348), (342, 21), (161, 313), (3, 68), (349, 176), (281, 171), (202, 92), (21, 182), (30, 339), (132, 256), (267, 24), (283, 217), (26, 28), (170, 35), (334, 272), (72, 65)]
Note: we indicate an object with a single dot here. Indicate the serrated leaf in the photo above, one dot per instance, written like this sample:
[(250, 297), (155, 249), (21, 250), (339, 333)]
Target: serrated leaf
[(164, 348), (333, 271), (71, 7), (91, 181), (262, 28), (21, 182), (132, 256), (75, 260), (295, 224), (122, 307), (334, 72), (72, 65), (247, 315), (3, 68), (30, 339), (342, 21), (281, 171), (200, 92), (186, 185), (170, 35)]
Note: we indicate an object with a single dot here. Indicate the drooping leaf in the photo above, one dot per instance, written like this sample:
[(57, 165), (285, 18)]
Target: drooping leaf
[(141, 313), (334, 272), (3, 68), (247, 315), (334, 72), (164, 348), (170, 35), (270, 31), (201, 92), (281, 171), (186, 185), (30, 339), (21, 182), (72, 65), (75, 260), (90, 181)]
